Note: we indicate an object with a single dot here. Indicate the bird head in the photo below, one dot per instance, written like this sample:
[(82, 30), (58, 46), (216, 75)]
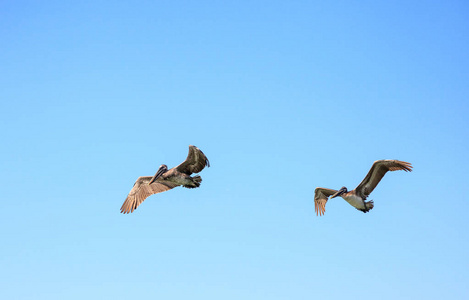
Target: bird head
[(161, 170), (340, 192)]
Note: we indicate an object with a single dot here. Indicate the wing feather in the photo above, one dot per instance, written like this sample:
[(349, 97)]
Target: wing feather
[(143, 190), (195, 161), (377, 172), (320, 198)]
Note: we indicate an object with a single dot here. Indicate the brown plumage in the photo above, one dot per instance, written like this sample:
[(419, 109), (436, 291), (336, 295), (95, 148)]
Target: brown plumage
[(165, 179), (320, 199), (357, 197)]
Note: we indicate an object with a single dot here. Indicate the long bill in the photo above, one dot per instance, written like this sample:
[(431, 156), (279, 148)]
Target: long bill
[(158, 173), (340, 192)]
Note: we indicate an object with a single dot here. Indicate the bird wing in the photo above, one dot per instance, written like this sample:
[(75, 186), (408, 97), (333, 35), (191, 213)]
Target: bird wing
[(143, 190), (320, 198), (377, 171), (195, 161)]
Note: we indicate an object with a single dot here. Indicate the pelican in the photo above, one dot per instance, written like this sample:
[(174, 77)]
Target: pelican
[(357, 197), (165, 179)]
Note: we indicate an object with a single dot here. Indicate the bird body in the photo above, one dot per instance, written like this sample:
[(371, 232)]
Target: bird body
[(357, 197), (355, 200), (165, 179), (179, 178)]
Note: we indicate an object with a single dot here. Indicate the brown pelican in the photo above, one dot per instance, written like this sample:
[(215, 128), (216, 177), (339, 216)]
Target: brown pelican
[(357, 197), (165, 179)]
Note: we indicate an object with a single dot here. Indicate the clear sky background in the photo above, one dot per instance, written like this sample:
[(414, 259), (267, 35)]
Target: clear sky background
[(283, 97)]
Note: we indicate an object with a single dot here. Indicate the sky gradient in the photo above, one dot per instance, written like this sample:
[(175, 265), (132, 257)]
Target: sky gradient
[(282, 97)]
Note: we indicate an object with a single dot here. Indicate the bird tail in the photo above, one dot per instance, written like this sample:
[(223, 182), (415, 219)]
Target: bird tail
[(196, 180), (369, 205)]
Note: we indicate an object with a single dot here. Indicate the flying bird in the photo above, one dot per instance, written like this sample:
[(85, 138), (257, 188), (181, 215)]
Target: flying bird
[(357, 197), (165, 179)]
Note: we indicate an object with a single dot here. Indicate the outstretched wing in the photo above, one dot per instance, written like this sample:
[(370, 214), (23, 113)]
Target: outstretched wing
[(376, 173), (195, 161), (143, 190), (320, 198)]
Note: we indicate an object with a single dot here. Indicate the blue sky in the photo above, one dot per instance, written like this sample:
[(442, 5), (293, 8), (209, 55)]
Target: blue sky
[(282, 97)]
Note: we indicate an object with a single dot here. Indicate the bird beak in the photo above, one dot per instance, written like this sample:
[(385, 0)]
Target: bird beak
[(337, 194), (160, 172)]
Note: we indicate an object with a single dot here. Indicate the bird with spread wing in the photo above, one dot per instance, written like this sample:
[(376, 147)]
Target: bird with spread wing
[(165, 179), (357, 197)]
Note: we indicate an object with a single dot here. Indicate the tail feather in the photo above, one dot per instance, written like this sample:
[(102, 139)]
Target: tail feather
[(368, 206), (196, 180)]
